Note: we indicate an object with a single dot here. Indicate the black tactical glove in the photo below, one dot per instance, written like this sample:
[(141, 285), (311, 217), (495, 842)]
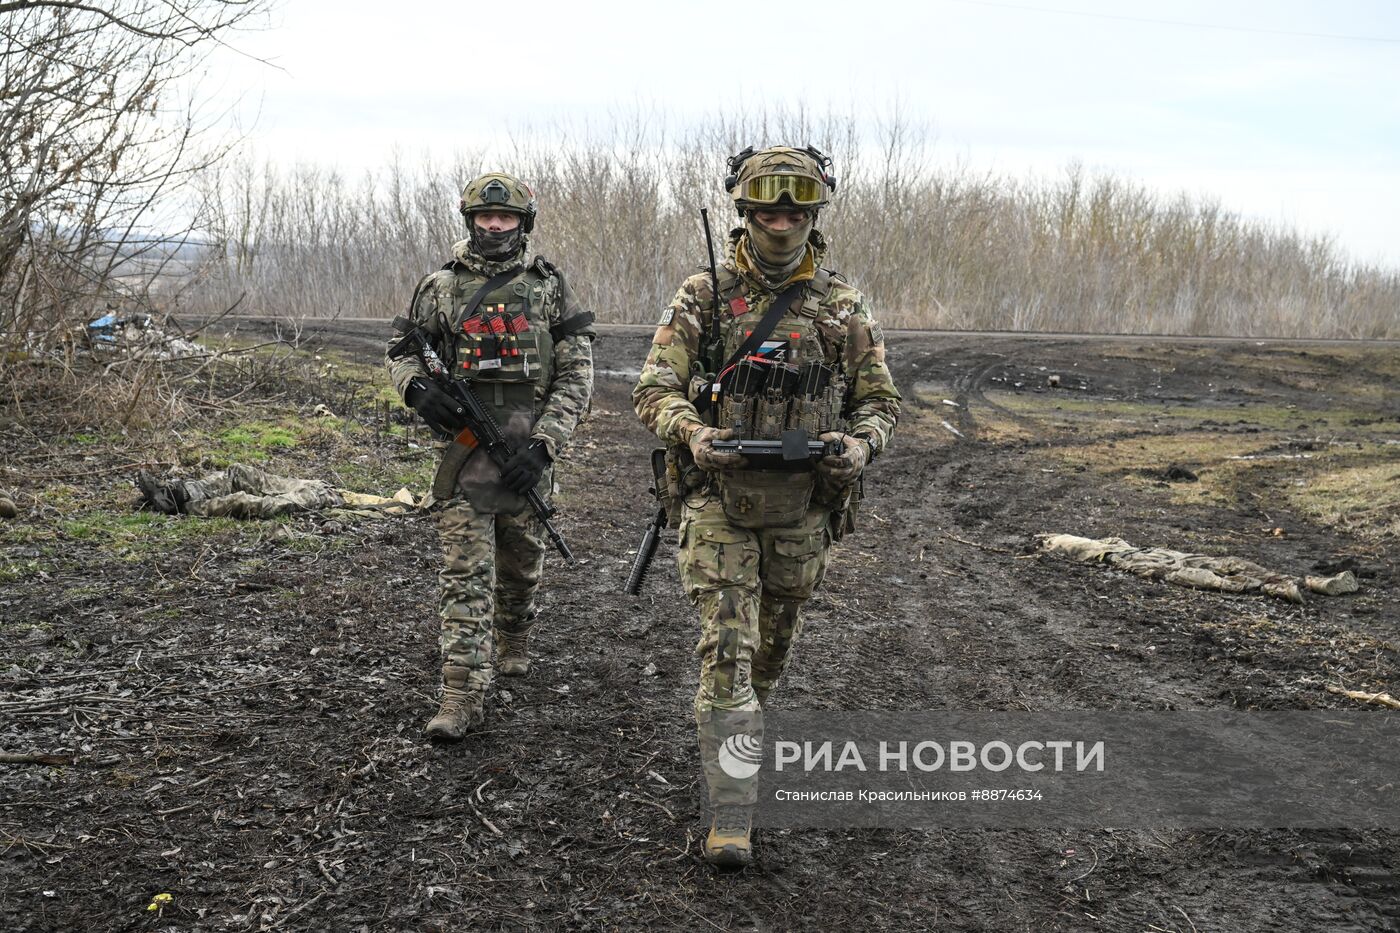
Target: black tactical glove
[(524, 469), (442, 412)]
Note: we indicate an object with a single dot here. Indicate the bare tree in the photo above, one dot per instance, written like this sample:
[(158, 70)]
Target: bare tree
[(930, 244), (95, 150)]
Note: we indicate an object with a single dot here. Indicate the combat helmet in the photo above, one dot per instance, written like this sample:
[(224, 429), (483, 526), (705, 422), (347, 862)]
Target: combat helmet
[(780, 174), (497, 191)]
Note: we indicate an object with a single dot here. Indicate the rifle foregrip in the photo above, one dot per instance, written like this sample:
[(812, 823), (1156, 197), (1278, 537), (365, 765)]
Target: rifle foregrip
[(642, 564), (645, 554)]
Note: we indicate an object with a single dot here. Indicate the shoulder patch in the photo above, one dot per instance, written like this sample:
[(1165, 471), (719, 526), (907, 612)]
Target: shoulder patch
[(667, 317), (877, 333)]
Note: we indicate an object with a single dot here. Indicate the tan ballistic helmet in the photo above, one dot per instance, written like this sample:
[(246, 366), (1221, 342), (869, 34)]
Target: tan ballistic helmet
[(498, 191), (766, 177)]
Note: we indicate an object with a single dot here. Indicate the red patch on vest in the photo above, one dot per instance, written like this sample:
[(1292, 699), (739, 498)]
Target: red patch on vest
[(738, 306)]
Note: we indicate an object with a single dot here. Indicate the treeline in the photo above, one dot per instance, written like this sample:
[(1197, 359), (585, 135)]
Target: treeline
[(99, 144), (931, 246)]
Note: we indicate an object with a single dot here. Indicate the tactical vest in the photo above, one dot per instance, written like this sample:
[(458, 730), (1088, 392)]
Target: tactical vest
[(770, 499), (504, 351)]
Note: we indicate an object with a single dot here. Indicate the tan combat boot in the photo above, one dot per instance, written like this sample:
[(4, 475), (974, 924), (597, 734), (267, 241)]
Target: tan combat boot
[(461, 708), (513, 653), (729, 845)]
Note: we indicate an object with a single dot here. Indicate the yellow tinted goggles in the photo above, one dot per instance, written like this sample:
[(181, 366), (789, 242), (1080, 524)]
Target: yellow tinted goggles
[(768, 189)]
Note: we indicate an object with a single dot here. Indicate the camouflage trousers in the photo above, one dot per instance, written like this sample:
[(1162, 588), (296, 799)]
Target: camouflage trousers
[(749, 585), (490, 574), (248, 492)]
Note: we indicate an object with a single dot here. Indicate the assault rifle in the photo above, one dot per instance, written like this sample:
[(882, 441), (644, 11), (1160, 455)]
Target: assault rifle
[(652, 538), (480, 430)]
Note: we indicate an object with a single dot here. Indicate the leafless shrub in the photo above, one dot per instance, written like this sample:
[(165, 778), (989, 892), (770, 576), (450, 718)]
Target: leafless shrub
[(931, 245), (96, 151)]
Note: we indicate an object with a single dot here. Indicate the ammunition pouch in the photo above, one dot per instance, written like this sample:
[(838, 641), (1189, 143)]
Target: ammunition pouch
[(501, 346), (844, 503), (765, 499), (683, 479)]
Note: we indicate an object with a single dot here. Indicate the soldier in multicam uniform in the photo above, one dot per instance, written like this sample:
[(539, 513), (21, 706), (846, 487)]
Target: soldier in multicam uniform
[(245, 491), (754, 543), (514, 331)]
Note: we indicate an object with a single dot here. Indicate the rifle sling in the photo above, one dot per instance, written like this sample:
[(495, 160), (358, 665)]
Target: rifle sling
[(781, 304), (489, 286), (455, 456)]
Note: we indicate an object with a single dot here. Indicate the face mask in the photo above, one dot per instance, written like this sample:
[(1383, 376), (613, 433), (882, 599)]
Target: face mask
[(501, 245), (779, 248)]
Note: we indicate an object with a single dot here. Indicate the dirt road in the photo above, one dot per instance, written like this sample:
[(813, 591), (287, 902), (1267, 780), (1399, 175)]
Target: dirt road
[(248, 704)]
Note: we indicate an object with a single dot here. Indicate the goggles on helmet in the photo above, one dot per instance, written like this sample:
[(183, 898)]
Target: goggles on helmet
[(769, 189)]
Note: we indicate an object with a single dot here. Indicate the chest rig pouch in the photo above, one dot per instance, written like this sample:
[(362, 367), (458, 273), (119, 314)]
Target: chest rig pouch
[(503, 349), (790, 384)]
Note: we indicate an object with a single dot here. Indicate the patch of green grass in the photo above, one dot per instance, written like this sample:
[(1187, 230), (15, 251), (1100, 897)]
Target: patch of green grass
[(387, 477), (251, 565), (319, 544), (252, 441), (16, 533), (136, 535), (14, 571)]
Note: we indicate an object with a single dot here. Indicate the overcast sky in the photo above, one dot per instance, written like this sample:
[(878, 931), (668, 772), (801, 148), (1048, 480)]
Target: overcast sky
[(1283, 111)]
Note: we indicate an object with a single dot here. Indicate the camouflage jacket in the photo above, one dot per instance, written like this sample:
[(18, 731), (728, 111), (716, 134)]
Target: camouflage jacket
[(560, 402), (850, 341)]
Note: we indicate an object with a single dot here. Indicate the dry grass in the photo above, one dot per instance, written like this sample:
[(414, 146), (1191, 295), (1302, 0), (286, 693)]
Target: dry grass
[(1362, 496)]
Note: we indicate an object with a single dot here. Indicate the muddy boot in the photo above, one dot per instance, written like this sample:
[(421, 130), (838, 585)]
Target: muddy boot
[(460, 710), (729, 845), (169, 498), (513, 653)]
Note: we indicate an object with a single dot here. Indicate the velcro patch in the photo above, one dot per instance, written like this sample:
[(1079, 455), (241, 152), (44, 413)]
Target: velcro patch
[(738, 306), (774, 351), (667, 317)]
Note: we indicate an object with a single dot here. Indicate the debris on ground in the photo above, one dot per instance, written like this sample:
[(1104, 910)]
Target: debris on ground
[(1382, 699), (1176, 473), (138, 336)]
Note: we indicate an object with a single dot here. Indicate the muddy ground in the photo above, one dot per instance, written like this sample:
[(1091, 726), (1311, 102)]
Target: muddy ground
[(245, 701)]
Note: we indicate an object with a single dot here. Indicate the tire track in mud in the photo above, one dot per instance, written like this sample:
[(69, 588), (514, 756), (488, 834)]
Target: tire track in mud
[(909, 618), (1046, 651)]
